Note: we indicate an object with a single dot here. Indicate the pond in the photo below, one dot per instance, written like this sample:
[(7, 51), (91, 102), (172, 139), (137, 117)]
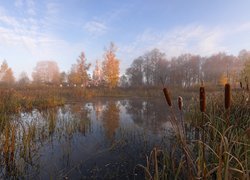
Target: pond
[(98, 138)]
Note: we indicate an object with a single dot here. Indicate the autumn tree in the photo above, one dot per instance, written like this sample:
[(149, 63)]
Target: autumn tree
[(82, 67), (6, 74), (79, 71), (111, 67), (97, 76), (73, 77), (46, 72)]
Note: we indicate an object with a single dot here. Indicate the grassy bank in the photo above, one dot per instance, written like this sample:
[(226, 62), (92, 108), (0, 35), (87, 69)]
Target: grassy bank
[(13, 101)]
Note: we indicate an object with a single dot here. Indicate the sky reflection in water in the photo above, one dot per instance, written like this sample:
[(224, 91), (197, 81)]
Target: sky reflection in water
[(95, 139)]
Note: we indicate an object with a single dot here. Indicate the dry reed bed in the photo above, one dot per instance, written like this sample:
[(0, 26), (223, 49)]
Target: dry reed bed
[(13, 101), (21, 141)]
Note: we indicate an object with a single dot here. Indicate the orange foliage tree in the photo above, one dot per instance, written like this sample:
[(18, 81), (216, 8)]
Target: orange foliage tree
[(111, 67)]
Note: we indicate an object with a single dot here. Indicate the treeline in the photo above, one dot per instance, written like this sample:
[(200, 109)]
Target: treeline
[(150, 69), (106, 73), (154, 69)]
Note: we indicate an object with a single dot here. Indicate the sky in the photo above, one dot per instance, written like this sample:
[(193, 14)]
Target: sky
[(59, 30)]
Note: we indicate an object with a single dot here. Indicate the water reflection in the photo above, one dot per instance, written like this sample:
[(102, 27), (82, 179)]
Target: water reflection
[(111, 116), (77, 138), (150, 115)]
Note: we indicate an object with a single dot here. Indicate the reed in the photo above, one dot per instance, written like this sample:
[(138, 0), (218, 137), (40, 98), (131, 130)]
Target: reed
[(223, 151), (180, 103), (13, 141)]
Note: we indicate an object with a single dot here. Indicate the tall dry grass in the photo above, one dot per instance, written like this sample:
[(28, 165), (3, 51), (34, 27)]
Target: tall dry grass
[(217, 142)]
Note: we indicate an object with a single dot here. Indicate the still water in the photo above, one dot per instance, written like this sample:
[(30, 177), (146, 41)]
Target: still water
[(98, 138)]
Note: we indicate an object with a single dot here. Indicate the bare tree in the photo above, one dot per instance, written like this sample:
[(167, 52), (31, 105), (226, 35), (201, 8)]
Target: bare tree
[(135, 72), (23, 79)]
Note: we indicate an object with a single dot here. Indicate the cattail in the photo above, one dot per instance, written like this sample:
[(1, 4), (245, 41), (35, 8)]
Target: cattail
[(180, 103), (202, 99), (227, 95), (241, 85), (167, 96)]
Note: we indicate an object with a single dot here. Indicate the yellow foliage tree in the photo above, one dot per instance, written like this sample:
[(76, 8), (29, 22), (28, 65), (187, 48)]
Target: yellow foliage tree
[(78, 74), (111, 67)]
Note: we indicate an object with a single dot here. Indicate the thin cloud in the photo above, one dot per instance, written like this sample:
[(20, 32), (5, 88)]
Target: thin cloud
[(52, 8), (189, 39), (29, 5), (243, 27), (95, 27), (18, 3)]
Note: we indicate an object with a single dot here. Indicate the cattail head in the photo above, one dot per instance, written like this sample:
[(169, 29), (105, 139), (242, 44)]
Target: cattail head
[(227, 96), (202, 99), (241, 85), (180, 102), (167, 96)]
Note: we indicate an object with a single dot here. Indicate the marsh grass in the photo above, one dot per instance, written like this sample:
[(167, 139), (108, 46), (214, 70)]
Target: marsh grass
[(13, 101), (22, 141), (217, 143)]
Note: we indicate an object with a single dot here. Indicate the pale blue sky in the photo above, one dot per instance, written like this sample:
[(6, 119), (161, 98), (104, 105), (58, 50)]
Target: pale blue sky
[(34, 30)]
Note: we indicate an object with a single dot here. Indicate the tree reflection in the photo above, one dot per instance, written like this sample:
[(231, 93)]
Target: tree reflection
[(98, 108), (111, 116), (77, 120), (149, 115), (52, 118)]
